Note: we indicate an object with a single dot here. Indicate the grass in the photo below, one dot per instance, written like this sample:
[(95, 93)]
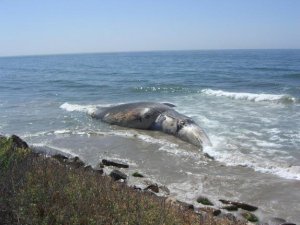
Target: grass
[(36, 189)]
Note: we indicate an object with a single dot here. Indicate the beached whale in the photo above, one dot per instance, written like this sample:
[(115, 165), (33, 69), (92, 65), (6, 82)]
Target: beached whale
[(154, 116)]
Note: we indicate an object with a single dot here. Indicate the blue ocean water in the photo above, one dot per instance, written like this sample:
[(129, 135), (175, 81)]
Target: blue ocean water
[(248, 101)]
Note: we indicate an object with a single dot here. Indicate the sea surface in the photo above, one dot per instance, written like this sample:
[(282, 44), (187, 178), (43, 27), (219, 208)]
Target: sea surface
[(248, 102)]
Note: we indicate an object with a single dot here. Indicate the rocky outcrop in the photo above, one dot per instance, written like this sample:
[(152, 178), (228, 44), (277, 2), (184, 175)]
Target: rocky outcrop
[(204, 200), (240, 205), (118, 175), (115, 164)]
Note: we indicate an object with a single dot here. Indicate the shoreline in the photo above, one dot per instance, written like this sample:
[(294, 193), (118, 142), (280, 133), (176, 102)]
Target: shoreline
[(154, 189)]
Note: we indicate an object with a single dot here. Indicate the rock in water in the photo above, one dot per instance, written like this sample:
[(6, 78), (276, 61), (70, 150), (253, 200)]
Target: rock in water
[(111, 163), (240, 205), (250, 217), (152, 187), (204, 200), (117, 175)]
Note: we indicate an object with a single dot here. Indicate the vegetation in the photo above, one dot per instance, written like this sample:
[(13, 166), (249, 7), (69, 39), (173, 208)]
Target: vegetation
[(36, 189)]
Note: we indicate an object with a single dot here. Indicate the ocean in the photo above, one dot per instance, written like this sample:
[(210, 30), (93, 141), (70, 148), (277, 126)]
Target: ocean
[(247, 101)]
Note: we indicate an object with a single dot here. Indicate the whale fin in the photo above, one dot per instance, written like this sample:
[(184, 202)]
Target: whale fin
[(169, 104)]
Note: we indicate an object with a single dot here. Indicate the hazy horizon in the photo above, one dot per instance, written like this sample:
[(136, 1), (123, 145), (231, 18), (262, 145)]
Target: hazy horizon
[(63, 27)]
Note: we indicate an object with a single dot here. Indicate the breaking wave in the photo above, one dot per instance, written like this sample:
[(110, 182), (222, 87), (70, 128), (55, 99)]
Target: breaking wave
[(283, 98)]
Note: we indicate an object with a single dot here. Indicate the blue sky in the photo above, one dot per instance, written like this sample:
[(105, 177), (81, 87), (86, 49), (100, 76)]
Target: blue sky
[(69, 26)]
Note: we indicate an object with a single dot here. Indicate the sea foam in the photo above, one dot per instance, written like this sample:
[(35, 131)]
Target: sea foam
[(79, 108), (283, 98)]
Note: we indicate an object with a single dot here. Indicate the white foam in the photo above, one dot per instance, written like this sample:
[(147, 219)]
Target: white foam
[(79, 108), (230, 155), (250, 96)]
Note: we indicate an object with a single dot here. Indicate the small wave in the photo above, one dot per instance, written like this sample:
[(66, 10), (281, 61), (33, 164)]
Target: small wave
[(237, 158), (163, 89), (78, 108), (251, 96)]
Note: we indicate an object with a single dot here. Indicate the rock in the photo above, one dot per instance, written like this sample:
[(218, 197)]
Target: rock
[(137, 174), (115, 164), (209, 156), (100, 171), (165, 189), (250, 216), (88, 168), (240, 205), (76, 162), (186, 205), (276, 221), (230, 208), (18, 142), (204, 201), (61, 158), (117, 175), (152, 187), (210, 210), (101, 165)]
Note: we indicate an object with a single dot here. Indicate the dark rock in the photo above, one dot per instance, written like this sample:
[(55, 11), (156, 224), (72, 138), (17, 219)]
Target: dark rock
[(209, 156), (136, 188), (101, 165), (165, 189), (117, 175), (204, 201), (115, 164), (137, 174), (18, 142), (186, 205), (230, 208), (240, 205), (287, 223), (76, 162), (61, 158), (210, 210), (100, 171), (250, 216), (88, 168), (276, 221), (152, 187)]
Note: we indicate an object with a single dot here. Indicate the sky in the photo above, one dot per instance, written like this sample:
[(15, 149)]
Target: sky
[(34, 27)]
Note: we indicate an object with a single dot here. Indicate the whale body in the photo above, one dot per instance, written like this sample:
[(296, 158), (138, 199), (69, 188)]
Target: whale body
[(154, 116)]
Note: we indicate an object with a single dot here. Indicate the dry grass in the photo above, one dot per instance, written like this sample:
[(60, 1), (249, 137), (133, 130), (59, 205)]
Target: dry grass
[(40, 190)]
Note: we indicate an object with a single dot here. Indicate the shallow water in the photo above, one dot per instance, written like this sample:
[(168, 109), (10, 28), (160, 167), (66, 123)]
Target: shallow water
[(246, 101)]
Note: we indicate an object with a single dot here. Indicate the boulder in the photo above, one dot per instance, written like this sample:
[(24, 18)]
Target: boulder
[(152, 187), (209, 156), (186, 205), (61, 158), (278, 221), (204, 200), (115, 164), (250, 217), (137, 174), (117, 175), (100, 171), (210, 210), (76, 162), (230, 208), (240, 205), (18, 142)]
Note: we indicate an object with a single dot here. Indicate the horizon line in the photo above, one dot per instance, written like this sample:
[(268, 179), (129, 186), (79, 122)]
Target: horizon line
[(144, 51)]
